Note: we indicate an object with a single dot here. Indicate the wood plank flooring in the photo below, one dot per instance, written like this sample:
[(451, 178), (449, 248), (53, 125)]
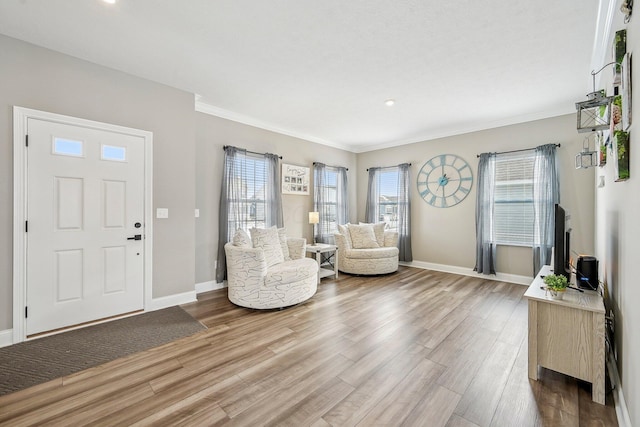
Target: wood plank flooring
[(415, 348)]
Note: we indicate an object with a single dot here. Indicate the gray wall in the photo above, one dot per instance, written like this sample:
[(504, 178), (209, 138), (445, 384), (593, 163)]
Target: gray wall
[(211, 135), (618, 240), (41, 79), (447, 236)]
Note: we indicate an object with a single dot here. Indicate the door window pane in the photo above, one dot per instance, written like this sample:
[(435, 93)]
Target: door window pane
[(113, 153), (68, 147)]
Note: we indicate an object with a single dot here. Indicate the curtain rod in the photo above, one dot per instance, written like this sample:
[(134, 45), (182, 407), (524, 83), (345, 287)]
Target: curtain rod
[(314, 163), (224, 147), (389, 167), (515, 151)]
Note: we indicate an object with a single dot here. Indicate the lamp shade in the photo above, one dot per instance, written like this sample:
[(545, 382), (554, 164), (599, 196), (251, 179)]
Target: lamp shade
[(314, 217)]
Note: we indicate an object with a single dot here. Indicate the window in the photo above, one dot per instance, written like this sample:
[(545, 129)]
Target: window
[(330, 200), (250, 197), (329, 207), (513, 199), (516, 194), (387, 184), (389, 201), (247, 208)]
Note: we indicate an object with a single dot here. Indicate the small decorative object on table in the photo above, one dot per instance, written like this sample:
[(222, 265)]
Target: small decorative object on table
[(556, 285)]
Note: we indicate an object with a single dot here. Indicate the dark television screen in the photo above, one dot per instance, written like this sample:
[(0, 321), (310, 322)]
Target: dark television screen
[(562, 240)]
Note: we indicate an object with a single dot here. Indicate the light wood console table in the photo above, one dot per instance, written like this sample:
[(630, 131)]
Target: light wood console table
[(567, 335)]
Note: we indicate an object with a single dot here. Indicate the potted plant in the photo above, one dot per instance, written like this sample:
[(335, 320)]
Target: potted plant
[(556, 285)]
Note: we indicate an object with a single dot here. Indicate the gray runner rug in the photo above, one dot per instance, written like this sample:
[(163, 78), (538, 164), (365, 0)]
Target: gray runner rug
[(34, 362)]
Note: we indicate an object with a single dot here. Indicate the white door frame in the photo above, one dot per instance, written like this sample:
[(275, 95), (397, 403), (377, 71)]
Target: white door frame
[(20, 186)]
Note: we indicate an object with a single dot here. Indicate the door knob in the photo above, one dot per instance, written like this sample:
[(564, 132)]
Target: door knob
[(136, 237)]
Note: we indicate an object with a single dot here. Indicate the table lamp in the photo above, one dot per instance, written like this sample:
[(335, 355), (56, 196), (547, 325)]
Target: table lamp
[(314, 218)]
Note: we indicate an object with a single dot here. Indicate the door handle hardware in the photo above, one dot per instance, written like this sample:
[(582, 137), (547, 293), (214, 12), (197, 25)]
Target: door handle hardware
[(136, 237)]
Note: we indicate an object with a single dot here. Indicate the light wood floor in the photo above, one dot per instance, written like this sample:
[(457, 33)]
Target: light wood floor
[(413, 348)]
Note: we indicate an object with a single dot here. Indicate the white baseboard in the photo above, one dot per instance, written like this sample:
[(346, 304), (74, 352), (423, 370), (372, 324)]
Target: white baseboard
[(501, 277), (622, 412), (211, 285), (171, 300), (6, 337)]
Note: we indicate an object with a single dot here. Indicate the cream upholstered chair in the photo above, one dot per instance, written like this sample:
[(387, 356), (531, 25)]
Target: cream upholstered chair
[(269, 270), (367, 249)]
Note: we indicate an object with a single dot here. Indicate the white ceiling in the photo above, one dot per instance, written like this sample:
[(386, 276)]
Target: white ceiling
[(321, 70)]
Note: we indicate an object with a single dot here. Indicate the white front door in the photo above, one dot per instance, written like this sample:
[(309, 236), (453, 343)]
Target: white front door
[(85, 207)]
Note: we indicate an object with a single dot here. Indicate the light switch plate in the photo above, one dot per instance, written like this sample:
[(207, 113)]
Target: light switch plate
[(162, 213), (197, 213)]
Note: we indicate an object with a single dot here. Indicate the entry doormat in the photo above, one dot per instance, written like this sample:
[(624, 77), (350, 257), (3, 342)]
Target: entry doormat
[(34, 362)]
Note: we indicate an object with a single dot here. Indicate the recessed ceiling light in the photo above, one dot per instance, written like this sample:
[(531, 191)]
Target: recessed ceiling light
[(389, 102), (110, 1)]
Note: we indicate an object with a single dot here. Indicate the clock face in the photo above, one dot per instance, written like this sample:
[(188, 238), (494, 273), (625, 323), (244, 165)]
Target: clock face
[(445, 180)]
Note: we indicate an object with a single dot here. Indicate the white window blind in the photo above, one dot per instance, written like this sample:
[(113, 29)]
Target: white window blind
[(513, 199), (388, 197), (249, 209)]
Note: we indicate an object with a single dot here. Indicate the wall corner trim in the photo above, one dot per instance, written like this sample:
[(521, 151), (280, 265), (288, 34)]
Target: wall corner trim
[(604, 22), (622, 412)]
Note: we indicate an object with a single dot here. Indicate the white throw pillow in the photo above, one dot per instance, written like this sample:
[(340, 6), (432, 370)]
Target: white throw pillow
[(378, 230), (282, 235), (241, 238), (268, 240), (344, 230), (363, 237)]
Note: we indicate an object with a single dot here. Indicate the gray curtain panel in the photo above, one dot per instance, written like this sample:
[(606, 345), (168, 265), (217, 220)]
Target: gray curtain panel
[(273, 192), (485, 241), (343, 197), (404, 212), (371, 213), (546, 193), (231, 215)]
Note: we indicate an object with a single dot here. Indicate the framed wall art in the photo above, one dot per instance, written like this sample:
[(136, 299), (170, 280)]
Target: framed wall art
[(295, 179)]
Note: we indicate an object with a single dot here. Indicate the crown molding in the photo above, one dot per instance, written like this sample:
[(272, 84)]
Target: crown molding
[(601, 41), (472, 127), (206, 108), (203, 107)]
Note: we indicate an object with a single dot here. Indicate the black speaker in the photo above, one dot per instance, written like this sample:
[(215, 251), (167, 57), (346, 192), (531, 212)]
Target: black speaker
[(587, 272)]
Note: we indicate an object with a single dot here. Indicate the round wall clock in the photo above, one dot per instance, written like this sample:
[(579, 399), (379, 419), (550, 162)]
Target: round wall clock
[(445, 180)]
